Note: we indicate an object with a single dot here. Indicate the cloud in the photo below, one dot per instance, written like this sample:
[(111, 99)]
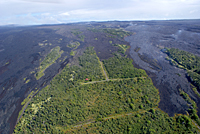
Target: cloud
[(193, 11), (65, 14), (44, 1), (64, 11)]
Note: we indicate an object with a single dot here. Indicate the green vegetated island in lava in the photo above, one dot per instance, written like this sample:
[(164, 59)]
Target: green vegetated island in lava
[(108, 96)]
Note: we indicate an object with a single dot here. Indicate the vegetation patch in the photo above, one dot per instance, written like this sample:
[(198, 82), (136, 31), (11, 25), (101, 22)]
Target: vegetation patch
[(188, 61), (94, 30), (192, 111), (112, 33), (74, 45), (127, 104), (122, 48), (150, 122), (48, 60), (26, 101), (82, 37), (153, 62), (195, 78), (117, 32), (44, 44), (78, 34), (121, 67), (195, 89), (72, 53), (90, 65), (27, 81), (137, 49)]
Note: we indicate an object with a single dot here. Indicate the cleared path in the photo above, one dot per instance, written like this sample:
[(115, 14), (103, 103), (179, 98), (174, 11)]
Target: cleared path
[(104, 71)]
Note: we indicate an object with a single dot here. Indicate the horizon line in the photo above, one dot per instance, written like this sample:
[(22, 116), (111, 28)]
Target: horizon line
[(94, 21)]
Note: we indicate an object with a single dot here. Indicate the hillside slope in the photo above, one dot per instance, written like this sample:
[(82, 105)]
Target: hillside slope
[(31, 58), (126, 103)]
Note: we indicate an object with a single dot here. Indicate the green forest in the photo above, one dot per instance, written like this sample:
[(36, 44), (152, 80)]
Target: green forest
[(126, 103), (120, 33), (121, 67), (112, 32), (187, 61)]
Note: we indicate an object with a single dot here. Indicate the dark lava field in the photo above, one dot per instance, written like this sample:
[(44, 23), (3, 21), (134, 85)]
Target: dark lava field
[(21, 54)]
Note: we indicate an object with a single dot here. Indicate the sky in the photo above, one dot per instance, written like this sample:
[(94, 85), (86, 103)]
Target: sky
[(36, 12)]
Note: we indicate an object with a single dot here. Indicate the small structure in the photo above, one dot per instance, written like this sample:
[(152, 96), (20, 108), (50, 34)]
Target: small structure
[(86, 79)]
